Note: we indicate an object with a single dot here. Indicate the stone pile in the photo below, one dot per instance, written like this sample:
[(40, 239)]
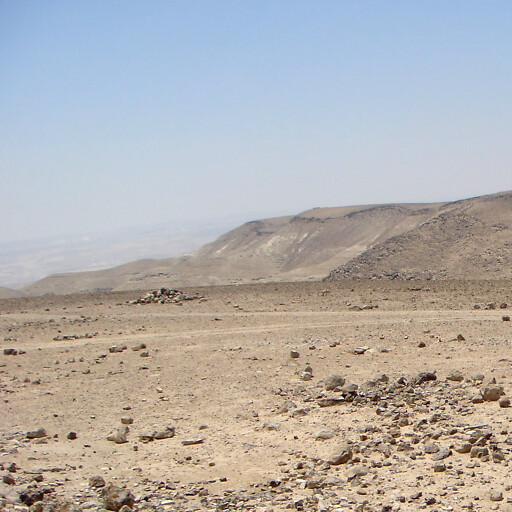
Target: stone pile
[(165, 296), (491, 306), (67, 337)]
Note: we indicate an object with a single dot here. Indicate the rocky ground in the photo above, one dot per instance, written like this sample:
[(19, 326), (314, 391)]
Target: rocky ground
[(366, 396)]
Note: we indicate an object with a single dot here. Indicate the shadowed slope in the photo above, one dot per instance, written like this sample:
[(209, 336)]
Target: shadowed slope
[(469, 239)]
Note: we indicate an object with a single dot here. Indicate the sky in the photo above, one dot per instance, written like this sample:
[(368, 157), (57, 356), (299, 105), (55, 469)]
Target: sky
[(120, 113)]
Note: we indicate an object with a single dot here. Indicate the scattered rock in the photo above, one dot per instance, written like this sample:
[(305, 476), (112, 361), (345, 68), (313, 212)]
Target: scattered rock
[(496, 496), (349, 388), (36, 434), (68, 337), (119, 436), (455, 376), (165, 296), (33, 495), (476, 398), (191, 442), (115, 349), (504, 401), (479, 452), (356, 471), (166, 433), (442, 454), (328, 402), (463, 448), (334, 381), (114, 497), (341, 455), (324, 435), (9, 479), (491, 392), (96, 481), (497, 455), (431, 448), (423, 377)]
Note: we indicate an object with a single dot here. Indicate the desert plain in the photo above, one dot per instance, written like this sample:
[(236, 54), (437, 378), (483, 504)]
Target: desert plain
[(325, 396)]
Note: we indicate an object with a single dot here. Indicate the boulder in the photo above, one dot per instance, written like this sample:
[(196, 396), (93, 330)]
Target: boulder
[(36, 434), (423, 377), (114, 497), (491, 392), (334, 381), (504, 401), (341, 455), (119, 436), (166, 433), (455, 376)]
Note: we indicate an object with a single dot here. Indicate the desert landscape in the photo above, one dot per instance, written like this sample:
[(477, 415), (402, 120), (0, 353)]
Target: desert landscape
[(255, 256), (367, 395)]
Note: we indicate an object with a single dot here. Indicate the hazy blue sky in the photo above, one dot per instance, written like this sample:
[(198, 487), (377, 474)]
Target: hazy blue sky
[(119, 113)]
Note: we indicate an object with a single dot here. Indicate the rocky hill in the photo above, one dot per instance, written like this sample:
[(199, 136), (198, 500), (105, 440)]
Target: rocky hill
[(302, 247), (469, 239)]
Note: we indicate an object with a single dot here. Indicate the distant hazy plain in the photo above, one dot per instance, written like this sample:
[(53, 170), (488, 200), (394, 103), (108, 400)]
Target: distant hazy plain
[(22, 263)]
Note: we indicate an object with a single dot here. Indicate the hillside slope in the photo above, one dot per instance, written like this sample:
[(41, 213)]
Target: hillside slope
[(469, 239), (301, 247), (7, 293)]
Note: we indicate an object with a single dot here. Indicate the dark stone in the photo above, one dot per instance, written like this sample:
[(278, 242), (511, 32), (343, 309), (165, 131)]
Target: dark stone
[(423, 377), (115, 497)]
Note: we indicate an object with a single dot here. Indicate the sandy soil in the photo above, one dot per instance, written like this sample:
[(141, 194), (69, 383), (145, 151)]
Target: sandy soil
[(219, 371)]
